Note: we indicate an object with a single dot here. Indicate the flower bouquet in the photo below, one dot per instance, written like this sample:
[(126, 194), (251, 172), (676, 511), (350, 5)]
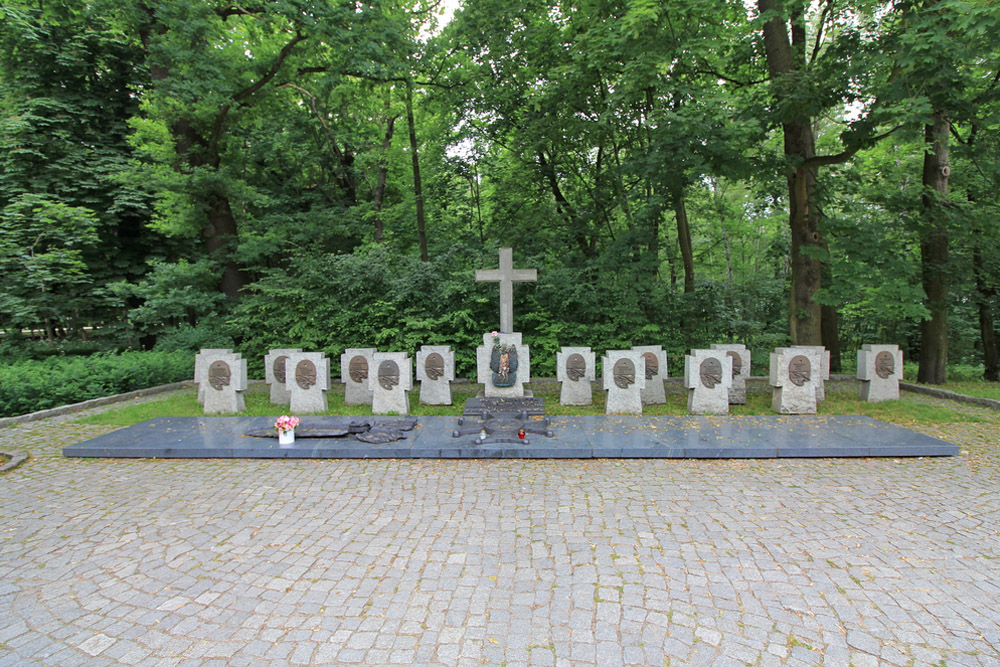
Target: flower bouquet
[(285, 426)]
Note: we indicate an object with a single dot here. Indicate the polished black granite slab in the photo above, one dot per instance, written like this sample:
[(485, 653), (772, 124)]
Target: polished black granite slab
[(573, 437)]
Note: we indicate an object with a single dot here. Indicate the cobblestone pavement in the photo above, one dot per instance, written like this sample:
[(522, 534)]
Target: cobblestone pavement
[(770, 562)]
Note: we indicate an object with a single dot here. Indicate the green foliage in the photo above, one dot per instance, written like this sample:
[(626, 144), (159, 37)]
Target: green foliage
[(29, 386)]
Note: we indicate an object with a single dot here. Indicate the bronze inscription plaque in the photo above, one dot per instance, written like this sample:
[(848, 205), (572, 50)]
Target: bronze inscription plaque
[(799, 370), (737, 362), (388, 374), (624, 373), (711, 372), (434, 366), (219, 375), (279, 369), (652, 365), (885, 365), (576, 367), (358, 369), (305, 374)]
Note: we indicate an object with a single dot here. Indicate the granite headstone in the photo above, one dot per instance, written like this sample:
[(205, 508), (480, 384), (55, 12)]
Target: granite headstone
[(880, 369), (503, 365), (308, 379), (575, 370), (624, 375), (436, 372), (390, 381), (225, 382), (655, 359), (708, 376), (824, 368), (793, 378), (355, 369), (201, 369), (276, 374)]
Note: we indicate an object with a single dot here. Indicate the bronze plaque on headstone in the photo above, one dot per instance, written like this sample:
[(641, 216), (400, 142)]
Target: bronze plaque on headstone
[(219, 375), (652, 364), (711, 372), (737, 362), (576, 367), (279, 369), (305, 374), (434, 366), (624, 373), (885, 365), (799, 370), (388, 374), (358, 369)]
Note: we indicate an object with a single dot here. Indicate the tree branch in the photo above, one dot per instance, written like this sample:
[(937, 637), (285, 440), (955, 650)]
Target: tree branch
[(844, 156), (237, 10), (272, 71)]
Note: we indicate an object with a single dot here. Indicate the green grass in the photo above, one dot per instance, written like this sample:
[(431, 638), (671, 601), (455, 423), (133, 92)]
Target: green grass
[(979, 388), (909, 409)]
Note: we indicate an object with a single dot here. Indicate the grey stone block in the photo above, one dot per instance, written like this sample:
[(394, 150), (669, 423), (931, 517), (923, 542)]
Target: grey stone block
[(575, 370), (355, 369)]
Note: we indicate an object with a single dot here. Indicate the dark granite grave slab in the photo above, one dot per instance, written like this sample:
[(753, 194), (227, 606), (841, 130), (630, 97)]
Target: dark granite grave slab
[(573, 437), (529, 405)]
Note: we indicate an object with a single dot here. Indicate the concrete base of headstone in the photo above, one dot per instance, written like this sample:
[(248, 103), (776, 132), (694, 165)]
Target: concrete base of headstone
[(623, 389), (391, 380), (484, 374), (880, 369), (824, 368), (435, 390), (308, 380), (357, 390), (794, 396), (653, 393), (225, 382), (275, 374), (201, 368), (575, 370), (708, 375), (741, 359)]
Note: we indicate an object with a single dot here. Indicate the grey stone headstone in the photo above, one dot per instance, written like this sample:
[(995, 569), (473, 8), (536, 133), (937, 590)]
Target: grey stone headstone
[(435, 372), (355, 371), (201, 369), (276, 373), (575, 370), (794, 378), (308, 380), (225, 381), (824, 368), (880, 369), (624, 376), (390, 381), (708, 377), (656, 372), (741, 358), (485, 374)]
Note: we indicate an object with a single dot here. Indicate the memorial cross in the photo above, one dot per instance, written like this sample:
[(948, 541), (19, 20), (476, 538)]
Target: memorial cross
[(507, 275)]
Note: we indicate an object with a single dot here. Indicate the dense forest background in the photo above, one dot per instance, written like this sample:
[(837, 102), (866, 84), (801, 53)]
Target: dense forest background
[(326, 174)]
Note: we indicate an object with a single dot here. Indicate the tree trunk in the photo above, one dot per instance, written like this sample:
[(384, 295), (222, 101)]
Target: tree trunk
[(684, 240), (934, 254), (418, 194), (383, 173), (987, 332), (220, 235)]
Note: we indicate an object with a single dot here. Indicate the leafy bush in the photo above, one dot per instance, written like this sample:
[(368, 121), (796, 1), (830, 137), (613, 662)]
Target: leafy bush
[(28, 386)]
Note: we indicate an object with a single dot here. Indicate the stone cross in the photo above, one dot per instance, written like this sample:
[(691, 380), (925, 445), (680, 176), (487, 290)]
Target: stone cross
[(507, 275)]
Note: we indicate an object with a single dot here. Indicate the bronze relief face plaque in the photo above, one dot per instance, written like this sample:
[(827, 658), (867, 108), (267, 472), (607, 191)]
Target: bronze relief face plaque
[(219, 375), (624, 373), (711, 372), (279, 369), (885, 365), (737, 362), (305, 374), (799, 370), (358, 369), (576, 367), (388, 374), (652, 365), (434, 366)]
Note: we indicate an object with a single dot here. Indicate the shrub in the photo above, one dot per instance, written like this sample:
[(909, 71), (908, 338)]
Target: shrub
[(28, 386)]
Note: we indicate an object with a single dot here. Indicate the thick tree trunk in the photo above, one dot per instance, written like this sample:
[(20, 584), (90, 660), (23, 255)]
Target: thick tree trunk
[(383, 174), (684, 240), (220, 236), (934, 254), (785, 55), (418, 193)]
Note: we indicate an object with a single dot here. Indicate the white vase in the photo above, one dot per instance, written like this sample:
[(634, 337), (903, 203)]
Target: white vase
[(286, 438)]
